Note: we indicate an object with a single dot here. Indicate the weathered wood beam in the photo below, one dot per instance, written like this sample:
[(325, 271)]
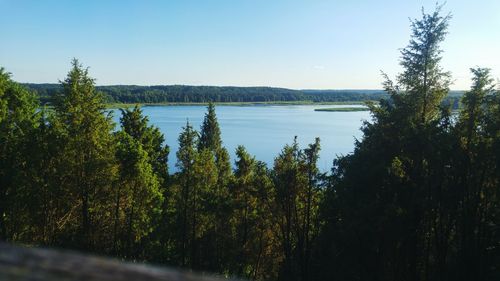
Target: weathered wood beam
[(22, 263)]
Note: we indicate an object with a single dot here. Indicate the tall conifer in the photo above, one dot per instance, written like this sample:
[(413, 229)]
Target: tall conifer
[(88, 166)]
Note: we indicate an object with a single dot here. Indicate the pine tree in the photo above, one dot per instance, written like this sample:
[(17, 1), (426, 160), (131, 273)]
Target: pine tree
[(310, 202), (210, 141), (87, 161), (267, 261), (290, 183), (423, 84), (255, 253), (182, 196), (243, 195), (136, 125), (203, 215), (18, 121), (210, 132), (138, 198), (472, 113), (47, 216), (479, 187), (390, 207)]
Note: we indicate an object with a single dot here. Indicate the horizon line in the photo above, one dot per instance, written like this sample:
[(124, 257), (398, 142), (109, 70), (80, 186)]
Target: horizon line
[(229, 86)]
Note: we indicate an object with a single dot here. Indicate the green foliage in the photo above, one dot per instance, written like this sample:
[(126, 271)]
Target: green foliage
[(418, 199), (204, 94), (254, 248), (137, 197), (422, 85), (297, 194), (210, 131), (152, 140), (210, 142), (87, 166), (183, 198), (18, 123)]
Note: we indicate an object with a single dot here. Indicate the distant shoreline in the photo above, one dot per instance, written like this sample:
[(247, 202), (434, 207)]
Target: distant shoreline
[(125, 105)]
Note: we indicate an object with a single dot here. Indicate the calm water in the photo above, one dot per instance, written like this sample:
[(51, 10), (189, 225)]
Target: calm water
[(264, 130)]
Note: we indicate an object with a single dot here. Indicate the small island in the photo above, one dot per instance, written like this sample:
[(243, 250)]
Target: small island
[(342, 109)]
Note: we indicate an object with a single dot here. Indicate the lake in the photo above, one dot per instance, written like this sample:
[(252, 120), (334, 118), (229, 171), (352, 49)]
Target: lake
[(265, 129)]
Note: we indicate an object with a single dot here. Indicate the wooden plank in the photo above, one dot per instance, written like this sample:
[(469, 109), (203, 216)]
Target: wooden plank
[(34, 264)]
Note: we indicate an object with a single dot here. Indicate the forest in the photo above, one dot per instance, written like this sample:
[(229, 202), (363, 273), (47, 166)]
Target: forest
[(418, 199), (130, 94)]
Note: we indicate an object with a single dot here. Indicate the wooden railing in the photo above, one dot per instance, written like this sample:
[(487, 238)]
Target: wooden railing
[(22, 263)]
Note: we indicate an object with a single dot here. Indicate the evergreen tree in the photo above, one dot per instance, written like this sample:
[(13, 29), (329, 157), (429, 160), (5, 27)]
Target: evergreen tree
[(243, 195), (138, 198), (255, 251), (203, 218), (47, 197), (472, 113), (423, 84), (295, 180), (87, 161), (151, 140), (390, 207), (182, 196), (479, 186), (136, 125), (210, 140), (311, 201), (210, 132), (18, 121), (266, 264)]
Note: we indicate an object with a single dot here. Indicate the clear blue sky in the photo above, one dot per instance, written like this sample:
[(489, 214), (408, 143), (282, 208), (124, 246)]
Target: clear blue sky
[(285, 43)]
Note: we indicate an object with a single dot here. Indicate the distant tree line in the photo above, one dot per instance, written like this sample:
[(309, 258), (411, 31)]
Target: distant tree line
[(205, 94), (418, 199)]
